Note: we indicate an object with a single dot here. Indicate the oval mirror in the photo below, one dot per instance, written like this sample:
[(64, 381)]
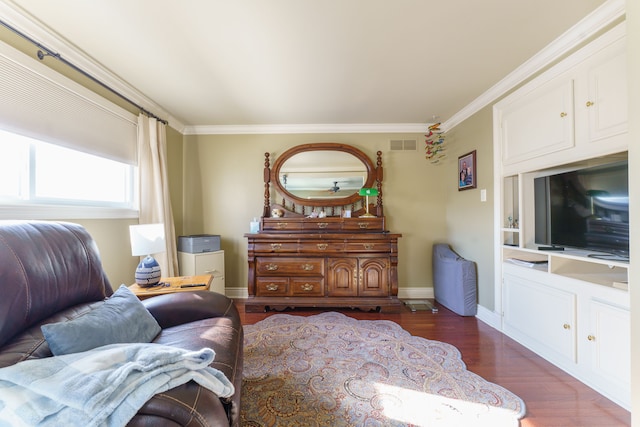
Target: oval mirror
[(322, 174)]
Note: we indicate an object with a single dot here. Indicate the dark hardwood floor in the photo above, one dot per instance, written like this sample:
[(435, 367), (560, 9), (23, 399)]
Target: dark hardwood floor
[(553, 397)]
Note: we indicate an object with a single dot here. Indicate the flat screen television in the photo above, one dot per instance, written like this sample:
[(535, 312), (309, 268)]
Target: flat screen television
[(585, 209)]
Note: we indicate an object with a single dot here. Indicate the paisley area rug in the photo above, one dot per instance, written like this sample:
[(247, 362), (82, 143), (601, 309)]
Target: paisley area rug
[(332, 370)]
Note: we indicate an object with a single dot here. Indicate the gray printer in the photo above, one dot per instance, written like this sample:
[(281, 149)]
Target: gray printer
[(198, 243)]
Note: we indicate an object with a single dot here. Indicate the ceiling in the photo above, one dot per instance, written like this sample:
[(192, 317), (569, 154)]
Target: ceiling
[(304, 62)]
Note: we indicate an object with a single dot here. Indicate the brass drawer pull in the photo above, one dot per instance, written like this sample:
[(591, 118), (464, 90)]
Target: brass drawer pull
[(368, 246), (276, 246), (307, 267), (271, 267), (272, 287), (363, 225), (323, 224), (307, 287), (322, 246), (281, 225)]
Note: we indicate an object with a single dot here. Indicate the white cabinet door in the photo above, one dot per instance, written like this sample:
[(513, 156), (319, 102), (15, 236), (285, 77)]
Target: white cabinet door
[(541, 317), (608, 348), (539, 123), (606, 101)]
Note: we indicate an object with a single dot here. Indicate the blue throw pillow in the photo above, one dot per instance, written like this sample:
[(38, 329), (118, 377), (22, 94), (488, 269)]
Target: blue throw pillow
[(121, 319)]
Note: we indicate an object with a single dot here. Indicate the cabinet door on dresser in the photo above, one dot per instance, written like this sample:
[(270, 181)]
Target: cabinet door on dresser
[(365, 277), (373, 277), (342, 277)]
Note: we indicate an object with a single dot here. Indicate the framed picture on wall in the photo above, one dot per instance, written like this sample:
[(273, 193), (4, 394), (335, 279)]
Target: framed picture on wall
[(467, 171)]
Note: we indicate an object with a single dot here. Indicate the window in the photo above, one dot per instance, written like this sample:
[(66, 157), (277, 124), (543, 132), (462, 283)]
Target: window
[(35, 173)]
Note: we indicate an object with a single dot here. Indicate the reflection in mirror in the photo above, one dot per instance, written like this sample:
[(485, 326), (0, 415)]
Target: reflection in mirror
[(323, 174)]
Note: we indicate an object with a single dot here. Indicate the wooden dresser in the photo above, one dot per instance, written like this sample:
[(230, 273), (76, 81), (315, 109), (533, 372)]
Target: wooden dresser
[(297, 260)]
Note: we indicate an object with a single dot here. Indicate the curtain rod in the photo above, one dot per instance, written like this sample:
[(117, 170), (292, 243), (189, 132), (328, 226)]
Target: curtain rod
[(44, 51)]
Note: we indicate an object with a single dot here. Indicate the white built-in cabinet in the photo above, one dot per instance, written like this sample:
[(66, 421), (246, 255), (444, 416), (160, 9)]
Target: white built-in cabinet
[(204, 263), (575, 111), (567, 307)]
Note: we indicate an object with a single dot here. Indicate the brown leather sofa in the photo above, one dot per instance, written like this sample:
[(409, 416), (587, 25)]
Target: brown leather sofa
[(51, 272)]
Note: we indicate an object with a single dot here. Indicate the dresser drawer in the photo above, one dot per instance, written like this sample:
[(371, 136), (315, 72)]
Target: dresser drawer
[(360, 224), (368, 246), (273, 247), (307, 286), (322, 225), (290, 266), (272, 286), (320, 246), (280, 225)]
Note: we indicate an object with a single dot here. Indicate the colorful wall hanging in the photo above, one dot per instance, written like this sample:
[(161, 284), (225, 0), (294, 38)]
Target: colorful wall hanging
[(435, 144)]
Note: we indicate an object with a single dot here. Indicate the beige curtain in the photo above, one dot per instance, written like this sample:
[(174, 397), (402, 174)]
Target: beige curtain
[(155, 203)]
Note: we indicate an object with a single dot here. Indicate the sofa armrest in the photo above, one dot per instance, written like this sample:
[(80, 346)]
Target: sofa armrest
[(184, 307)]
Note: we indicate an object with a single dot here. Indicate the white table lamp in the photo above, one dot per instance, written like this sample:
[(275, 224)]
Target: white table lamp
[(147, 239)]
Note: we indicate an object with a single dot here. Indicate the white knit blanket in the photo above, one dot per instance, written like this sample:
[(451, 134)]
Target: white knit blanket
[(101, 387)]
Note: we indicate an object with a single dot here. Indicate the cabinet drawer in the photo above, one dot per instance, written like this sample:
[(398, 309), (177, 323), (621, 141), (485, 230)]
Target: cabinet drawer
[(321, 225), (307, 286), (359, 224), (272, 247), (276, 286), (275, 225), (290, 266), (367, 246), (320, 246)]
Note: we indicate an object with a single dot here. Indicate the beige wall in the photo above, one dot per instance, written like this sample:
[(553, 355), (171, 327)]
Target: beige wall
[(470, 221), (223, 190)]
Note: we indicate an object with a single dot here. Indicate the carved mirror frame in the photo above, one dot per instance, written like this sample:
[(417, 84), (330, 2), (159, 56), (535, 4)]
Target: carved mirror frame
[(292, 203)]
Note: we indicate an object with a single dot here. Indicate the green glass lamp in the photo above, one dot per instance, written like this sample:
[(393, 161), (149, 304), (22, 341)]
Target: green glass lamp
[(368, 192)]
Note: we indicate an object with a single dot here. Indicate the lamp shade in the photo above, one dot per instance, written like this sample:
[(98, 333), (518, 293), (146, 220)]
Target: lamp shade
[(147, 239), (368, 192)]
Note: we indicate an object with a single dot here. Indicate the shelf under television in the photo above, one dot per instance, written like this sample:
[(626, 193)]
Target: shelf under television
[(589, 266)]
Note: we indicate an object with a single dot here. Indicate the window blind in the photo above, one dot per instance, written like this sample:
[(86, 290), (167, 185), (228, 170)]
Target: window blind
[(38, 102)]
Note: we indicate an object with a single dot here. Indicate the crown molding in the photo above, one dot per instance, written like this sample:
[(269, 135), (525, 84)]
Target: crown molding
[(307, 128), (15, 16), (606, 14)]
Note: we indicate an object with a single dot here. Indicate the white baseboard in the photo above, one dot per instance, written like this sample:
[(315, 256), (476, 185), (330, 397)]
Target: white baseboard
[(489, 317), (403, 293), (415, 293)]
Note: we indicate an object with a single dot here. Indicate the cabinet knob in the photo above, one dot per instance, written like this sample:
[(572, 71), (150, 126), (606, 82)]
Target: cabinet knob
[(307, 287), (323, 224), (589, 103), (281, 225), (368, 246), (271, 267), (307, 267), (563, 114), (591, 338), (276, 246), (322, 246), (566, 326), (363, 225), (272, 287)]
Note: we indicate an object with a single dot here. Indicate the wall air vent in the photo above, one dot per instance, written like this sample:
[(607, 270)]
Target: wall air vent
[(403, 145)]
